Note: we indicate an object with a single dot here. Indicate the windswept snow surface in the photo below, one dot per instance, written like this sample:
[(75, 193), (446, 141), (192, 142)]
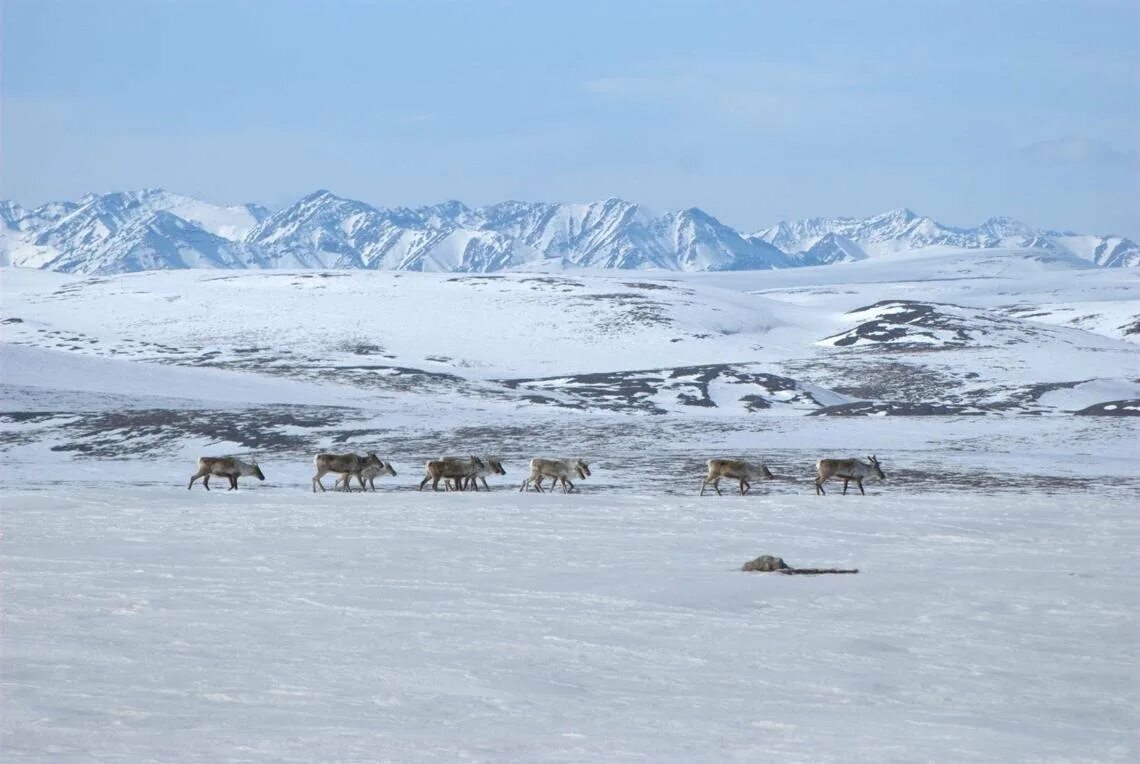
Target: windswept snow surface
[(156, 624), (994, 617)]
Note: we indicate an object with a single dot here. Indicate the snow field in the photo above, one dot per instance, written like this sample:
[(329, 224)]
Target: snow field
[(152, 623)]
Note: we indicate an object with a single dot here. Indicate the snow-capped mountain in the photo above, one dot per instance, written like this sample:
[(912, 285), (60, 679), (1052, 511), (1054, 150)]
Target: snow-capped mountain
[(129, 231), (818, 241), (325, 230), (155, 229)]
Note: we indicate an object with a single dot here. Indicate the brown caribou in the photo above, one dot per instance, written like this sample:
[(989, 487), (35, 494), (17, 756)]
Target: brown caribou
[(369, 473), (491, 466), (557, 470), (344, 464), (847, 470), (735, 470), (450, 469), (224, 466)]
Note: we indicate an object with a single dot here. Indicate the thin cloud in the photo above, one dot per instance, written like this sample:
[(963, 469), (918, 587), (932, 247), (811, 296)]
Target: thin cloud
[(1076, 150)]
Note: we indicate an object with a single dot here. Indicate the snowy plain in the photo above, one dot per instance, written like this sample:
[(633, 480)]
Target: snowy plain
[(994, 617), (157, 624)]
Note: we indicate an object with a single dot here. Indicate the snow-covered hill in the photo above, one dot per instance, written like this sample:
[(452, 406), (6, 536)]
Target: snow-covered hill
[(934, 331), (154, 229)]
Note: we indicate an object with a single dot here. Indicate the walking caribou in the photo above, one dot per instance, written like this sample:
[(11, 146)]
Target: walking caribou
[(224, 466), (847, 470), (369, 473), (491, 466), (557, 470), (345, 464), (736, 470), (450, 469)]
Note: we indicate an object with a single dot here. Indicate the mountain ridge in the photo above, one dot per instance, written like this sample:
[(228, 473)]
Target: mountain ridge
[(155, 229)]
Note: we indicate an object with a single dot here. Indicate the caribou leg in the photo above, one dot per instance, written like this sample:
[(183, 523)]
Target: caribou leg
[(195, 477), (859, 481)]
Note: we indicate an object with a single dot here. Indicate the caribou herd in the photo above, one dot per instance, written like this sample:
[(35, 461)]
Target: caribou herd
[(465, 473)]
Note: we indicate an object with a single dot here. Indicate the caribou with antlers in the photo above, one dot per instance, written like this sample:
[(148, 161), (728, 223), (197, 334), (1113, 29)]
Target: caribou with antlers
[(847, 470)]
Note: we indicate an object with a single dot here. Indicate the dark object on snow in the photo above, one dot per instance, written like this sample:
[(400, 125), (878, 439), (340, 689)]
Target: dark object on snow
[(766, 563)]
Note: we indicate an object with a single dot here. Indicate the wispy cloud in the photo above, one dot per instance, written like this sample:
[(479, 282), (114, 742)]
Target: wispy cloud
[(1076, 150)]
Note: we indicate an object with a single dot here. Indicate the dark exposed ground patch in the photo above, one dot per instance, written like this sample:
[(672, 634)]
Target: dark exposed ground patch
[(897, 408), (651, 286), (1034, 392), (873, 378), (635, 391), (116, 434), (19, 417), (362, 348), (1128, 407), (633, 310), (920, 326), (474, 280), (552, 282)]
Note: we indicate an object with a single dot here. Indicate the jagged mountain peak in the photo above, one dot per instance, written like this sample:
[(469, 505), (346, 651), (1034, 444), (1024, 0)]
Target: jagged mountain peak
[(1002, 226), (897, 215), (834, 248), (696, 213), (450, 209), (320, 195)]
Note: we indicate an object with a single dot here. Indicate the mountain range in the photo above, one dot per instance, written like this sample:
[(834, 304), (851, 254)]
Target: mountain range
[(155, 229)]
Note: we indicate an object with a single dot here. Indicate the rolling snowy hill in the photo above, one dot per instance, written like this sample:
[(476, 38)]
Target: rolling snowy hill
[(154, 229), (931, 332)]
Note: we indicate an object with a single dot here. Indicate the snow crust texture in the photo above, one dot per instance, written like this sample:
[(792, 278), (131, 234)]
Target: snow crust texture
[(142, 623)]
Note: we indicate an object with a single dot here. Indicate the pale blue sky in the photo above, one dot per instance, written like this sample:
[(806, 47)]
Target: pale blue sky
[(752, 111)]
